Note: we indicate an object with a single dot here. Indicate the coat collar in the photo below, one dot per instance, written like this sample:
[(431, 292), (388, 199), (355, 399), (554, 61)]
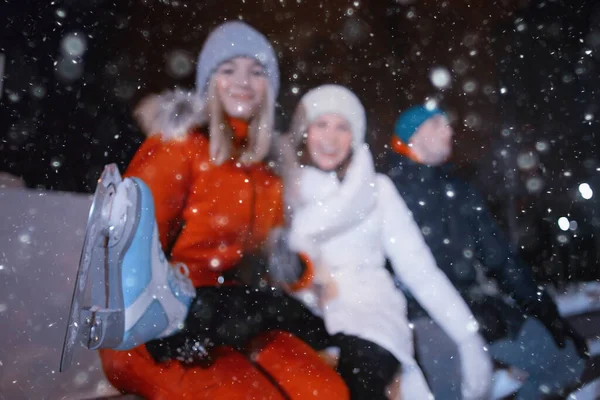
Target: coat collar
[(405, 169), (328, 206)]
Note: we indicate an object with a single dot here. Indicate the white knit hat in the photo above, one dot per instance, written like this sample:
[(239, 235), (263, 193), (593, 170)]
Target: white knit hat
[(336, 99)]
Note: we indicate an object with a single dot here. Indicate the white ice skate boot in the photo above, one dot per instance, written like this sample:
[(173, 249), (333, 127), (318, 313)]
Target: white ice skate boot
[(136, 295)]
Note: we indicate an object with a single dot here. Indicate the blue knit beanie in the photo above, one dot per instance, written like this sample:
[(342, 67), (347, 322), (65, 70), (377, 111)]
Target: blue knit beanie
[(411, 119), (235, 39)]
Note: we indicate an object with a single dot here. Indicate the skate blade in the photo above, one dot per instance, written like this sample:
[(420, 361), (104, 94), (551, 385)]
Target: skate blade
[(92, 255)]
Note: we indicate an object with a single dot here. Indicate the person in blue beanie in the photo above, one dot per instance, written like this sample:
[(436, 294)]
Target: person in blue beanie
[(519, 320)]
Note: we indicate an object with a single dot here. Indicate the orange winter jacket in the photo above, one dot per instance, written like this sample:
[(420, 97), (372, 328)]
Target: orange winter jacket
[(208, 217)]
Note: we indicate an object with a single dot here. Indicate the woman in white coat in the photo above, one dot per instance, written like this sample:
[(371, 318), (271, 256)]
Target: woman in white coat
[(349, 220)]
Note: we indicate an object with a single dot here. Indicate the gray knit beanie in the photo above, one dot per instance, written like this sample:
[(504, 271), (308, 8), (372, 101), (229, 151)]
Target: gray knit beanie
[(235, 39)]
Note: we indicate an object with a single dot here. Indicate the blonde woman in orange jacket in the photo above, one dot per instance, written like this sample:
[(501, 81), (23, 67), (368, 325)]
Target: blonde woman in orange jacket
[(196, 200)]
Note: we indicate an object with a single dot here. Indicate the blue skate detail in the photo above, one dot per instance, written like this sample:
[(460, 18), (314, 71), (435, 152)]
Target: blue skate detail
[(143, 256), (179, 294), (150, 325), (135, 273)]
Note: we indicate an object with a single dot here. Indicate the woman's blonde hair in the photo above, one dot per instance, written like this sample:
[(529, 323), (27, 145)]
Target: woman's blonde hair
[(173, 113), (260, 131), (298, 127), (291, 148)]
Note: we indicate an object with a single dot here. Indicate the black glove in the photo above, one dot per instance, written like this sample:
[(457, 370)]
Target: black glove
[(546, 311), (192, 345), (189, 351)]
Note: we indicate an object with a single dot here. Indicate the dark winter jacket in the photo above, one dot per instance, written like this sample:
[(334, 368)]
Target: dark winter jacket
[(468, 245)]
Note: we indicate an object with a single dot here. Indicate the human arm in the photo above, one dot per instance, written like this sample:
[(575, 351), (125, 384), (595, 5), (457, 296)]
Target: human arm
[(513, 276), (415, 266)]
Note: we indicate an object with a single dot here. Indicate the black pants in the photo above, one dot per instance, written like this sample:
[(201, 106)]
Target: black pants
[(233, 315), (366, 367)]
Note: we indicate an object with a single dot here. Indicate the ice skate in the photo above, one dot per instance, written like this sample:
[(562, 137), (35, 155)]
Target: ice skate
[(136, 295)]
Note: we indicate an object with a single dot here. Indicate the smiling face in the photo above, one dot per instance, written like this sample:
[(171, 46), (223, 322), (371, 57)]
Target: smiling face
[(329, 141), (432, 142), (241, 86)]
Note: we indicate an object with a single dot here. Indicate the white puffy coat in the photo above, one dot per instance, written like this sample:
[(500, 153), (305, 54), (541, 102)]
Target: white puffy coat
[(348, 229)]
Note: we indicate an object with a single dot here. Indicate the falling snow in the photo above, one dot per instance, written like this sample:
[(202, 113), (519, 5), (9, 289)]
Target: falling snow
[(440, 77), (519, 85)]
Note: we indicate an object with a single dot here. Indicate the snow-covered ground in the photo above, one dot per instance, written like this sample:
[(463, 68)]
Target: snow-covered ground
[(575, 300), (578, 299), (40, 242), (590, 391), (581, 299)]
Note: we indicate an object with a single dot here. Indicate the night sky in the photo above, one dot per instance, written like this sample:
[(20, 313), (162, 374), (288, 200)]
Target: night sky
[(523, 89)]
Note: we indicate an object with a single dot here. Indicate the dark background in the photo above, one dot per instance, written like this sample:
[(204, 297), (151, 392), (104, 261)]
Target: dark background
[(524, 77)]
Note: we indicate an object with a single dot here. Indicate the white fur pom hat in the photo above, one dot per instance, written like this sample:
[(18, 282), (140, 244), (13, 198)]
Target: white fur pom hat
[(333, 99)]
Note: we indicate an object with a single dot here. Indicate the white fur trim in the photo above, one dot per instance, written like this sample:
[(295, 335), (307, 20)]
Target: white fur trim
[(170, 114)]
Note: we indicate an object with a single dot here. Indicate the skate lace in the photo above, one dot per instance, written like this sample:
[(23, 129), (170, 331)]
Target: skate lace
[(181, 272)]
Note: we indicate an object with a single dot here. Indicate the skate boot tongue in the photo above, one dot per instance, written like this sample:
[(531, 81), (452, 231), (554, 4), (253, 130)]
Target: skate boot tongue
[(117, 211)]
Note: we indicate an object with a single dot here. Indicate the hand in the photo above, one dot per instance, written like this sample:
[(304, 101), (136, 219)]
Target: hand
[(476, 369), (284, 265), (188, 351), (561, 329), (546, 311)]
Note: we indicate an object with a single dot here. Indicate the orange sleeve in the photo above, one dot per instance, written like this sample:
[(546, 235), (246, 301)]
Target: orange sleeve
[(165, 167), (306, 278)]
